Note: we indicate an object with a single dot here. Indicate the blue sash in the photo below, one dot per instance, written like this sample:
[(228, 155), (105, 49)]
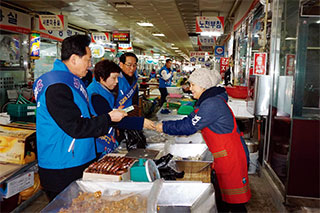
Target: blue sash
[(122, 99), (64, 77)]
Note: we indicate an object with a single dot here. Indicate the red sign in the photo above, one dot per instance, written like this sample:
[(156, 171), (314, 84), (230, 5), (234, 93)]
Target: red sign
[(260, 64), (224, 65), (52, 22), (290, 67), (121, 36)]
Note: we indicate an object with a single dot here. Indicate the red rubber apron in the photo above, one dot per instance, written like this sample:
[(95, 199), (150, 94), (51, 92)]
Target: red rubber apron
[(230, 164)]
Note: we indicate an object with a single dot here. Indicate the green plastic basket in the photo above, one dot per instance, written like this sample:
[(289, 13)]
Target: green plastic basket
[(185, 110), (22, 110)]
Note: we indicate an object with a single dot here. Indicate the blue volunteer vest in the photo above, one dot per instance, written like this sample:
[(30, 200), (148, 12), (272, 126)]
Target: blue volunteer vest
[(163, 83), (53, 143), (107, 143), (126, 92)]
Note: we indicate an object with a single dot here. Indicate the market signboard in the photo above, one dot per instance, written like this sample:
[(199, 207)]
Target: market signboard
[(219, 51), (56, 35), (206, 41), (100, 38), (260, 64), (52, 22), (121, 36), (14, 21), (125, 47), (198, 57), (224, 65), (210, 24), (290, 66), (206, 48)]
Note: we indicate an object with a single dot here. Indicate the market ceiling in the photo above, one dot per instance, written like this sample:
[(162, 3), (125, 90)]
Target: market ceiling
[(173, 18)]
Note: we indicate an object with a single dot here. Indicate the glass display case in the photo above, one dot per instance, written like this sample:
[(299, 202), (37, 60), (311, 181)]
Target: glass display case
[(293, 131)]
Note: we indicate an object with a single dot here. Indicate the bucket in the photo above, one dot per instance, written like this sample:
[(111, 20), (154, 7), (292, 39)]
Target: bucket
[(253, 162)]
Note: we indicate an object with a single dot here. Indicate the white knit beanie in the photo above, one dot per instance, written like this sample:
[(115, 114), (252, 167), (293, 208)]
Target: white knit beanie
[(205, 78)]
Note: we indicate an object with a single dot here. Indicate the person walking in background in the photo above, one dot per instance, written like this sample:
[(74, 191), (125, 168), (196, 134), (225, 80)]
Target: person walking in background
[(220, 131), (165, 80), (102, 95), (153, 74), (65, 129)]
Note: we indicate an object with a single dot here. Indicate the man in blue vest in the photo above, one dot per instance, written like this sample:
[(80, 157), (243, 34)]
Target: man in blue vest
[(128, 81), (165, 80), (65, 127)]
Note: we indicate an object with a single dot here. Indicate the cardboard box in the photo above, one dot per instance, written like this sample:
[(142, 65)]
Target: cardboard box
[(18, 184), (14, 143), (108, 177)]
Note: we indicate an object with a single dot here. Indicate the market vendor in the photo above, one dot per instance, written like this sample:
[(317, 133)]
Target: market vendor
[(65, 127), (102, 95), (128, 81), (218, 126)]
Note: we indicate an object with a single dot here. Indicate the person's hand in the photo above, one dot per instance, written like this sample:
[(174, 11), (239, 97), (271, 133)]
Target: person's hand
[(159, 127), (148, 124), (117, 115)]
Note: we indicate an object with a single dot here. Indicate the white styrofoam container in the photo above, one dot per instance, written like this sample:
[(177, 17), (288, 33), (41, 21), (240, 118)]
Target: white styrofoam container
[(19, 183)]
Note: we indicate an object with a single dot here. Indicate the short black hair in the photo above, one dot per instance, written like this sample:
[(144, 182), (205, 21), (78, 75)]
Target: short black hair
[(124, 56), (104, 68), (168, 60), (75, 44)]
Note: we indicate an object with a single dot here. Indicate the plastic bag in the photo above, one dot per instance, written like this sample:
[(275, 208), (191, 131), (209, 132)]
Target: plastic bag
[(167, 169), (134, 139)]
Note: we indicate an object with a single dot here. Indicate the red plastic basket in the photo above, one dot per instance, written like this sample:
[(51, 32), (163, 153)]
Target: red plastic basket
[(238, 92)]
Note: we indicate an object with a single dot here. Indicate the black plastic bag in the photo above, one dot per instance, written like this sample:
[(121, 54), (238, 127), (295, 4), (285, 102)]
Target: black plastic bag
[(165, 170), (134, 139)]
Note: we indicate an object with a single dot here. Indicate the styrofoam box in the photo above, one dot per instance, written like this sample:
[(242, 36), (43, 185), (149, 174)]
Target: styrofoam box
[(176, 90), (19, 183), (195, 138), (108, 177)]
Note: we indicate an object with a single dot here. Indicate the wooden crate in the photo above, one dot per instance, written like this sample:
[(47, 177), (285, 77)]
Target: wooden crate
[(194, 171)]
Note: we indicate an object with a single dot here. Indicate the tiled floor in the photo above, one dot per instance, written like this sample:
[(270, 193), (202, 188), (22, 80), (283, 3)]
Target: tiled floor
[(263, 199)]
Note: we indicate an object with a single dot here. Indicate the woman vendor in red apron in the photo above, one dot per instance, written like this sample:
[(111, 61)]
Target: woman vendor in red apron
[(218, 126)]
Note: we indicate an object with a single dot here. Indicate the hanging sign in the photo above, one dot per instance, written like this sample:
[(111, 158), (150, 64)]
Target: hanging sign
[(260, 64), (125, 47), (224, 65), (100, 38), (121, 36), (206, 48), (197, 57), (35, 45), (14, 21), (56, 35), (219, 51), (209, 24), (206, 41), (52, 22), (97, 50), (290, 67)]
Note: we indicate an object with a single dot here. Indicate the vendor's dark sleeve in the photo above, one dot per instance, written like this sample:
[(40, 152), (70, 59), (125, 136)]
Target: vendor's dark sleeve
[(135, 123), (135, 98), (61, 107)]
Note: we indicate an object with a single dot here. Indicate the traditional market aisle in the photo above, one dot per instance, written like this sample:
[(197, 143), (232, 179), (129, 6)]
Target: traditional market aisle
[(263, 198)]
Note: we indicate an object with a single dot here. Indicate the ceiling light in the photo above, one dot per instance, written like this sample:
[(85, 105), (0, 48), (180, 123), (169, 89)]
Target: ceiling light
[(177, 51), (158, 34), (318, 22), (290, 38), (210, 34), (145, 24), (174, 48)]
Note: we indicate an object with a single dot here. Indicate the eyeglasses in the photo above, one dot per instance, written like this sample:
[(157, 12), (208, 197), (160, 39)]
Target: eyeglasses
[(131, 65)]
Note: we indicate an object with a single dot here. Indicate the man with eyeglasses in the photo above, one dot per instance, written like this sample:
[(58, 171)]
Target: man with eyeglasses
[(128, 81), (165, 80)]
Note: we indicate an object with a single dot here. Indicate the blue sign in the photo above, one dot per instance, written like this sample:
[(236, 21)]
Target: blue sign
[(219, 51)]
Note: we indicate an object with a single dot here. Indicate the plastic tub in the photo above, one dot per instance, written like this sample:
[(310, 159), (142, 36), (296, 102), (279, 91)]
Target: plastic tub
[(238, 92)]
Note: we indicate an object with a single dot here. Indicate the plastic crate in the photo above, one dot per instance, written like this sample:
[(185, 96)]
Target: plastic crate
[(22, 110)]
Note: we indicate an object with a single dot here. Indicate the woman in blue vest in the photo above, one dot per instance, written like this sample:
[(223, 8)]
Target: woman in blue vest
[(102, 95)]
